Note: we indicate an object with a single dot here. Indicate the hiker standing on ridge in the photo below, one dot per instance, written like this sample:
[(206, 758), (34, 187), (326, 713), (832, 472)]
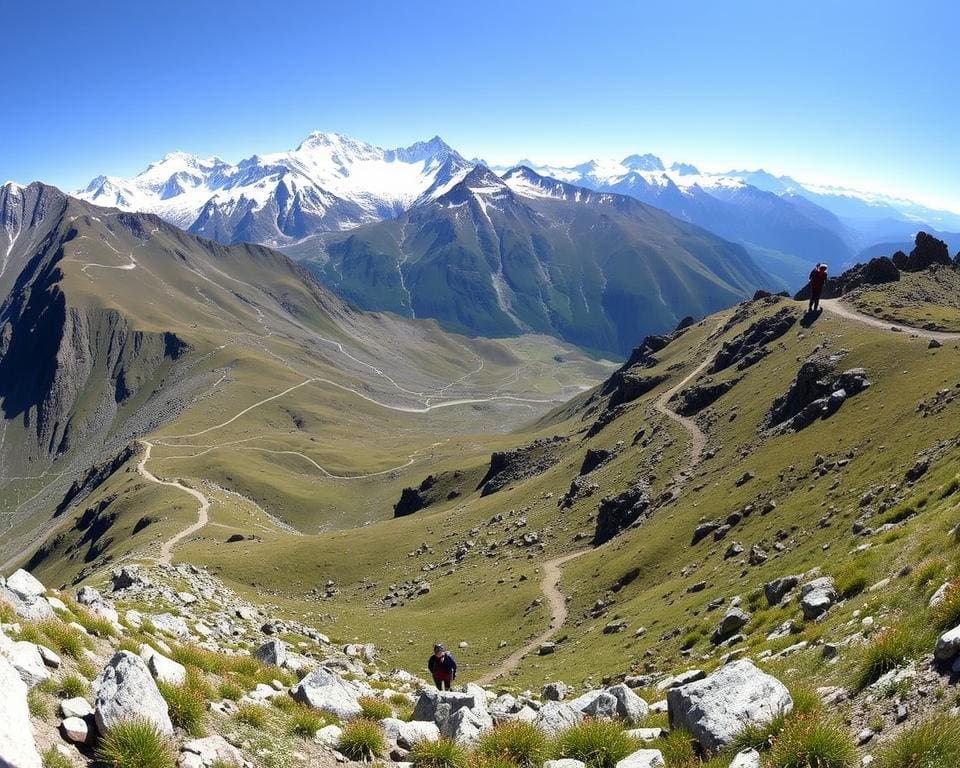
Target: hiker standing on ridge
[(443, 667), (817, 279)]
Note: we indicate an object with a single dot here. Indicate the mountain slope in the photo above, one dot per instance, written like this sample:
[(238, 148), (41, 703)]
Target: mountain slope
[(117, 324), (329, 182), (499, 257)]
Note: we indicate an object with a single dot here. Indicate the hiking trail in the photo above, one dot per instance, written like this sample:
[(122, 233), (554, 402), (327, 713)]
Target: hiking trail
[(837, 307)]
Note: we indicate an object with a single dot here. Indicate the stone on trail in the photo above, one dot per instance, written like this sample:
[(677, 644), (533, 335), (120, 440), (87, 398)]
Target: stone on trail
[(328, 692), (406, 734), (18, 749), (125, 689), (643, 758), (213, 750), (718, 707)]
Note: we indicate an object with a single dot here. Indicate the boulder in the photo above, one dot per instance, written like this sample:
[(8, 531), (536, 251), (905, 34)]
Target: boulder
[(272, 652), (328, 692), (76, 707), (777, 589), (817, 597), (948, 645), (167, 622), (466, 726), (24, 585), (555, 717), (731, 623), (18, 749), (406, 734), (163, 669), (718, 707), (630, 707), (125, 689), (564, 762), (329, 735), (601, 706), (439, 706), (643, 758), (76, 730), (214, 750), (940, 595), (26, 596), (556, 691)]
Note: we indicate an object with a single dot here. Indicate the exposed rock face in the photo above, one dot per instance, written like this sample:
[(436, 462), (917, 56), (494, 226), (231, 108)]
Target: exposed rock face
[(731, 623), (556, 716), (716, 708), (596, 457), (163, 669), (694, 399), (643, 355), (17, 746), (750, 346), (875, 272), (814, 394), (617, 513), (508, 467), (328, 692), (627, 386), (928, 250), (94, 477), (777, 589), (212, 750), (272, 652), (406, 734), (125, 689)]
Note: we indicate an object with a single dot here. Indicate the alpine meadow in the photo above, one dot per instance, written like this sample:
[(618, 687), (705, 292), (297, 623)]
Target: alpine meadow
[(617, 425)]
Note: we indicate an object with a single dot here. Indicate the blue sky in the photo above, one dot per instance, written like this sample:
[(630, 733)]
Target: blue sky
[(848, 91)]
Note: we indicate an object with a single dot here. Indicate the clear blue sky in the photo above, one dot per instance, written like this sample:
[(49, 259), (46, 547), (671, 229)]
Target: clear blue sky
[(862, 92)]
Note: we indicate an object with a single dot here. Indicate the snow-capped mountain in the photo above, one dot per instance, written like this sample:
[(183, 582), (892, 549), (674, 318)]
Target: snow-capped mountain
[(330, 182)]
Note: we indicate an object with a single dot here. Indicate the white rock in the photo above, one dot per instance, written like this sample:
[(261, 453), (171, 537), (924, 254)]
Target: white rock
[(76, 707), (125, 689), (630, 707), (56, 603), (25, 585), (272, 652), (26, 659), (76, 730), (134, 618), (948, 645), (327, 691), (329, 735), (643, 758), (406, 734), (163, 669), (556, 716), (564, 763), (17, 746), (213, 749), (748, 758), (718, 707), (50, 658), (647, 734), (466, 726), (817, 596), (939, 596)]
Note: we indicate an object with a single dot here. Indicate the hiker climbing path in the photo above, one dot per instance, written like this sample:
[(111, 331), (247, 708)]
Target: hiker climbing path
[(550, 586), (166, 549), (550, 583), (837, 307)]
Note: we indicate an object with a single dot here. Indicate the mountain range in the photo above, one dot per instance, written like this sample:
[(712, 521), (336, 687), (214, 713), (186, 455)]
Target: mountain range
[(520, 253)]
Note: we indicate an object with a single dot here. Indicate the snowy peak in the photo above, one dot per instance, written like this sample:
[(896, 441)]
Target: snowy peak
[(684, 169), (647, 162)]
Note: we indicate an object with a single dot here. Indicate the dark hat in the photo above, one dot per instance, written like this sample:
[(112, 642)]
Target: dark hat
[(439, 647)]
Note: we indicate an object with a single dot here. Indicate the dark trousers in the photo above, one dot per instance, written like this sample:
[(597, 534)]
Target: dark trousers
[(815, 299), (442, 685)]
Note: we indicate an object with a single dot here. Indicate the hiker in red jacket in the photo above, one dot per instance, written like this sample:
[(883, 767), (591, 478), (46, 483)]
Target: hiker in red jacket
[(443, 667), (817, 279)]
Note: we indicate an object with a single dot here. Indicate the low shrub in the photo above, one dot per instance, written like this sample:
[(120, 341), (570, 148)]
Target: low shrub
[(94, 624), (305, 722), (230, 690), (62, 638), (813, 741), (443, 753), (86, 669), (521, 743), (374, 708), (252, 714), (598, 743), (934, 743), (72, 686), (135, 744), (37, 704), (362, 739)]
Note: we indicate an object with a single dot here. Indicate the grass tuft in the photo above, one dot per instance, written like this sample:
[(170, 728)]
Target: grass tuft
[(62, 638), (934, 743), (305, 722), (52, 758), (443, 753), (886, 651), (374, 709), (598, 743), (37, 704), (813, 741), (946, 614), (186, 705), (252, 714), (520, 743), (72, 686), (362, 740), (135, 744)]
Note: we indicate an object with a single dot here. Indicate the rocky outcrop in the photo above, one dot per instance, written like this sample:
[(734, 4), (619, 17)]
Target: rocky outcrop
[(125, 689), (508, 467), (617, 513), (718, 707), (26, 596), (694, 399), (816, 393), (325, 690), (749, 347), (817, 597), (875, 272), (18, 749)]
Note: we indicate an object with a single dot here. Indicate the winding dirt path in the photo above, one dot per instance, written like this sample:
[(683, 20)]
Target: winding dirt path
[(550, 583), (166, 549), (550, 586), (837, 307)]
